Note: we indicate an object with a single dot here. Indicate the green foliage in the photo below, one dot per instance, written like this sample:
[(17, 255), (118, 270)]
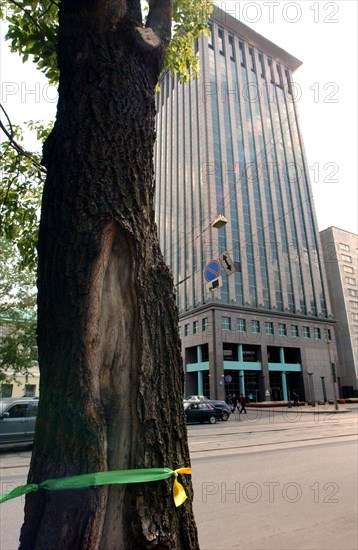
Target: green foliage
[(18, 350), (33, 32), (190, 18), (20, 193)]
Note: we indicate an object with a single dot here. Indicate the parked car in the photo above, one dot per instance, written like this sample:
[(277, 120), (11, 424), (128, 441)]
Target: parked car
[(221, 405), (202, 412), (17, 421)]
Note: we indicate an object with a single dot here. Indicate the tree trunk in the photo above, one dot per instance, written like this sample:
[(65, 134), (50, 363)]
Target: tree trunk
[(109, 350)]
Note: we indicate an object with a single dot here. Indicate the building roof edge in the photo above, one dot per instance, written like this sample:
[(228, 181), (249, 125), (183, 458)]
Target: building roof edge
[(257, 40), (339, 229)]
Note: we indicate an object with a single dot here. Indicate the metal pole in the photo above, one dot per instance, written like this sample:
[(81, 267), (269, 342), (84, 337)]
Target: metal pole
[(214, 365), (332, 376), (311, 386)]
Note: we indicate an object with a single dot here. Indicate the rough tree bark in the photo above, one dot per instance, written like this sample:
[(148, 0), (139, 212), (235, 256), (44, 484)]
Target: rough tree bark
[(109, 350)]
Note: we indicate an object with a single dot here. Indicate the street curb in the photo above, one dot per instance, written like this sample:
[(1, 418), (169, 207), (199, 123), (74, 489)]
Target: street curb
[(303, 410)]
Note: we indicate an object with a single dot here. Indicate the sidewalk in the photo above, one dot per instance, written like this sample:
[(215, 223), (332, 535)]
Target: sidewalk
[(305, 409)]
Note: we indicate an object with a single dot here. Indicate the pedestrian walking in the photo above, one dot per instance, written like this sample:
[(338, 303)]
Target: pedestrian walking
[(295, 399), (234, 401), (242, 404)]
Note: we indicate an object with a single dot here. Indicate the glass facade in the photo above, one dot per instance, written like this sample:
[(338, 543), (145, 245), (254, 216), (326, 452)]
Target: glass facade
[(229, 143)]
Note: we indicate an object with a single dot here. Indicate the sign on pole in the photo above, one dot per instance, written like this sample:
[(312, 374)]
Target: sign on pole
[(227, 263), (212, 270), (212, 285)]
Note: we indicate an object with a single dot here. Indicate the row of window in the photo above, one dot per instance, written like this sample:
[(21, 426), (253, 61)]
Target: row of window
[(255, 326), (274, 78), (7, 389)]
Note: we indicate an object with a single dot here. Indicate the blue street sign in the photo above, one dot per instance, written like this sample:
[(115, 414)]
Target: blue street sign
[(212, 270)]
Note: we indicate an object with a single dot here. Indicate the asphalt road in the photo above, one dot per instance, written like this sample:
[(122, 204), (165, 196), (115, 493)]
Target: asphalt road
[(266, 481), (272, 483)]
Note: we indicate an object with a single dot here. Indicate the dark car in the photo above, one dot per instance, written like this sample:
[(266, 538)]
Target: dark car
[(226, 410), (17, 421), (202, 412)]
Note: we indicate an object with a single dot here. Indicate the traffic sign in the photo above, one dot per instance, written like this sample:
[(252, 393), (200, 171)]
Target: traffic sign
[(212, 285), (228, 378), (212, 270), (227, 263)]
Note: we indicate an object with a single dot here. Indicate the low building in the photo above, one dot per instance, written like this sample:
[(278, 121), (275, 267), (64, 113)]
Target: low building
[(340, 252)]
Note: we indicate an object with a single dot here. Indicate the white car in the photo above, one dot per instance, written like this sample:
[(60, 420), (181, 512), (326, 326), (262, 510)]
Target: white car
[(196, 398)]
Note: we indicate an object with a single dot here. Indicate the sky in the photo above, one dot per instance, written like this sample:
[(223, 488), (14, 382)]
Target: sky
[(321, 34)]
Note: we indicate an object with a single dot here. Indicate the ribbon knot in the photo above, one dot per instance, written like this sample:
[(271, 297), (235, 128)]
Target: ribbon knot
[(179, 493)]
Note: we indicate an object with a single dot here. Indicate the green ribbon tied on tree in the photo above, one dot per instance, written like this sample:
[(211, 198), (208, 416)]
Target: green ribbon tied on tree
[(106, 478)]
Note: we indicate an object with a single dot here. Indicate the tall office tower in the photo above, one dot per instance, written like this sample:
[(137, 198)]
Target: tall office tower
[(229, 144), (340, 252)]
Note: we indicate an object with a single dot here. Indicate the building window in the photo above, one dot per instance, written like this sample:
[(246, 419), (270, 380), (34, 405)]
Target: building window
[(352, 292), (231, 47), (196, 46), (282, 329), (262, 65), (269, 328), (355, 328), (346, 258), (328, 333), (211, 37), (306, 332), (241, 325), (242, 54), (221, 42), (354, 304), (269, 61), (294, 331), (196, 327), (6, 390), (255, 327), (226, 324), (355, 316), (288, 80), (279, 73), (30, 390), (252, 60), (186, 329), (348, 269), (317, 333), (343, 246), (350, 281), (205, 324)]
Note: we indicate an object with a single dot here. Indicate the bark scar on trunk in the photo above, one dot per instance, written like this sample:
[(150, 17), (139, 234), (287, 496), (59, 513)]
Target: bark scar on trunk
[(147, 38), (111, 337)]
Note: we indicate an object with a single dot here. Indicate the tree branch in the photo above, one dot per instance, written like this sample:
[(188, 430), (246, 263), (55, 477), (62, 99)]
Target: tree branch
[(160, 19), (32, 19), (15, 145)]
